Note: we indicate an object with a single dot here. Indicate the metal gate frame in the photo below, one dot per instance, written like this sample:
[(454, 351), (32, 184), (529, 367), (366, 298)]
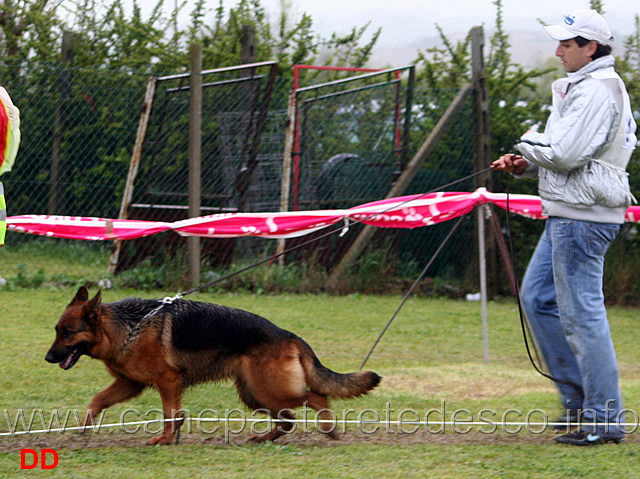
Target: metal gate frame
[(292, 152), (251, 144)]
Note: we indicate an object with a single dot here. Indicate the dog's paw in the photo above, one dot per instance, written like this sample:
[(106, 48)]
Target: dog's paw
[(160, 440), (259, 438), (254, 439), (333, 434)]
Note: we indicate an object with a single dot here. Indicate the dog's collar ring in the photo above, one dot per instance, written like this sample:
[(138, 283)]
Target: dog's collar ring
[(170, 299)]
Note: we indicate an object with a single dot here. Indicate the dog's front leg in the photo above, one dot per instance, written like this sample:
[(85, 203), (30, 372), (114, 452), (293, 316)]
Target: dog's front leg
[(170, 389), (120, 390)]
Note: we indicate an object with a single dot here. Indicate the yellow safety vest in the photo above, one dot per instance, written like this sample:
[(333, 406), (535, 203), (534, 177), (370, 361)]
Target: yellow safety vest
[(9, 142), (3, 216)]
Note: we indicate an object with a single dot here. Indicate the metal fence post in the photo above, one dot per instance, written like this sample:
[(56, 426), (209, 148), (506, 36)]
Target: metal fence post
[(481, 160)]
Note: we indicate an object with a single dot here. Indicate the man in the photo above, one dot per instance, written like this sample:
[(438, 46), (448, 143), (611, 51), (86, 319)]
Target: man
[(580, 160)]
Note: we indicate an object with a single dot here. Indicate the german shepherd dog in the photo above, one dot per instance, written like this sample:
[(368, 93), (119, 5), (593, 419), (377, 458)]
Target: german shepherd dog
[(183, 343)]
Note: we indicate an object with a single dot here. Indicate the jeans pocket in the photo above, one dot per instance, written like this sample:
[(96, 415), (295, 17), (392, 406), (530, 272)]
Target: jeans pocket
[(599, 237)]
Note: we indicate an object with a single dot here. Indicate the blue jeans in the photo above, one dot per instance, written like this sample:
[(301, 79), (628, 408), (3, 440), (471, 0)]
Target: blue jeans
[(563, 300)]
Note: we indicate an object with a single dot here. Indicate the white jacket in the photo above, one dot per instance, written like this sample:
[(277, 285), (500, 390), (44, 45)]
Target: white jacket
[(581, 157)]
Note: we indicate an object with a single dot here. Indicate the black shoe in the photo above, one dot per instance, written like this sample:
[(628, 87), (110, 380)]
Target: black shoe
[(584, 438), (570, 419)]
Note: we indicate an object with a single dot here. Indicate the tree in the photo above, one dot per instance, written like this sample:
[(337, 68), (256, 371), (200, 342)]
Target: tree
[(629, 63), (510, 87), (598, 6), (108, 37), (29, 29)]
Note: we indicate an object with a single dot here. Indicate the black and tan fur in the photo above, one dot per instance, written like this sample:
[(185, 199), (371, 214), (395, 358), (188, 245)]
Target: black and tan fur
[(186, 343)]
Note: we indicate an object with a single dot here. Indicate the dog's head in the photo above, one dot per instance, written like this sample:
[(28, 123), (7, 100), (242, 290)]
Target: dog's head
[(76, 331)]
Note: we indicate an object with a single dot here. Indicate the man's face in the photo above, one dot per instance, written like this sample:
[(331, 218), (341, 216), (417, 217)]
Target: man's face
[(574, 57)]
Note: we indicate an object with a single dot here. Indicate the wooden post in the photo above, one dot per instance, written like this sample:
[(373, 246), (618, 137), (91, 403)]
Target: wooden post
[(482, 145), (195, 156), (136, 156), (60, 120), (285, 190), (248, 44), (482, 135)]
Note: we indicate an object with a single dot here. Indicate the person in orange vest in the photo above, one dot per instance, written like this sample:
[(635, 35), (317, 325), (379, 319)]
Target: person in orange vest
[(9, 142)]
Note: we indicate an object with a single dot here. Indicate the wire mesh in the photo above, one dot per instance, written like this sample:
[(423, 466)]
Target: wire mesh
[(79, 127), (350, 147), (78, 131), (351, 151), (241, 151)]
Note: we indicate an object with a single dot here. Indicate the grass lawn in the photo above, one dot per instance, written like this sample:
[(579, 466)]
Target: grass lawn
[(431, 360)]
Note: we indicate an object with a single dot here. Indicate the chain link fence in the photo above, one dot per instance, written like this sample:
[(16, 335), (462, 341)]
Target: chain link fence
[(241, 160), (78, 127), (353, 140)]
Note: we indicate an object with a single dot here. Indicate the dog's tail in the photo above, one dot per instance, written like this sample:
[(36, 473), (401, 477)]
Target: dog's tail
[(323, 380)]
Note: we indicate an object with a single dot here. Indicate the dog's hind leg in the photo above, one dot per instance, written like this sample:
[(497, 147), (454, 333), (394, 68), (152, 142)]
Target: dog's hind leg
[(320, 403), (248, 397), (120, 390), (279, 429), (170, 388), (274, 384)]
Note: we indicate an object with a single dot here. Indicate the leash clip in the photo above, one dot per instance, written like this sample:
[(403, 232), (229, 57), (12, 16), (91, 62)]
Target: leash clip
[(171, 299), (345, 230), (163, 301)]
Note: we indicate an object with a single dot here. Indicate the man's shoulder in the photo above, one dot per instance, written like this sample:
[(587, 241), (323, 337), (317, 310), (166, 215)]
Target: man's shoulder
[(590, 87)]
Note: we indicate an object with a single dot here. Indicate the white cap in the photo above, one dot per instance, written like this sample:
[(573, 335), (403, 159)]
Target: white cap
[(583, 23)]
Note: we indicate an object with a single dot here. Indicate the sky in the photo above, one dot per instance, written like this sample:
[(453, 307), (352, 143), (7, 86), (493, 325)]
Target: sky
[(411, 24), (406, 20)]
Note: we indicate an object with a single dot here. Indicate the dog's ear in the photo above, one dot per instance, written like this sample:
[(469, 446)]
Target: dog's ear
[(92, 312), (82, 296), (94, 304)]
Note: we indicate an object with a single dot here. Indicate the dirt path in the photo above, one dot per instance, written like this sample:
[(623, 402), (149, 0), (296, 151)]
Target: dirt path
[(74, 440)]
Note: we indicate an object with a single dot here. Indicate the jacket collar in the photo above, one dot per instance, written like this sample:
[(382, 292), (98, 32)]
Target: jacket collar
[(602, 63)]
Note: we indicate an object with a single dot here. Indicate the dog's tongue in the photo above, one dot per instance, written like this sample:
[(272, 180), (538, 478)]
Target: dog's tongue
[(67, 362)]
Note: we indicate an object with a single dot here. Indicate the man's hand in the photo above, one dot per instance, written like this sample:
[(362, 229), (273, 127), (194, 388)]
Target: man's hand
[(511, 163)]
